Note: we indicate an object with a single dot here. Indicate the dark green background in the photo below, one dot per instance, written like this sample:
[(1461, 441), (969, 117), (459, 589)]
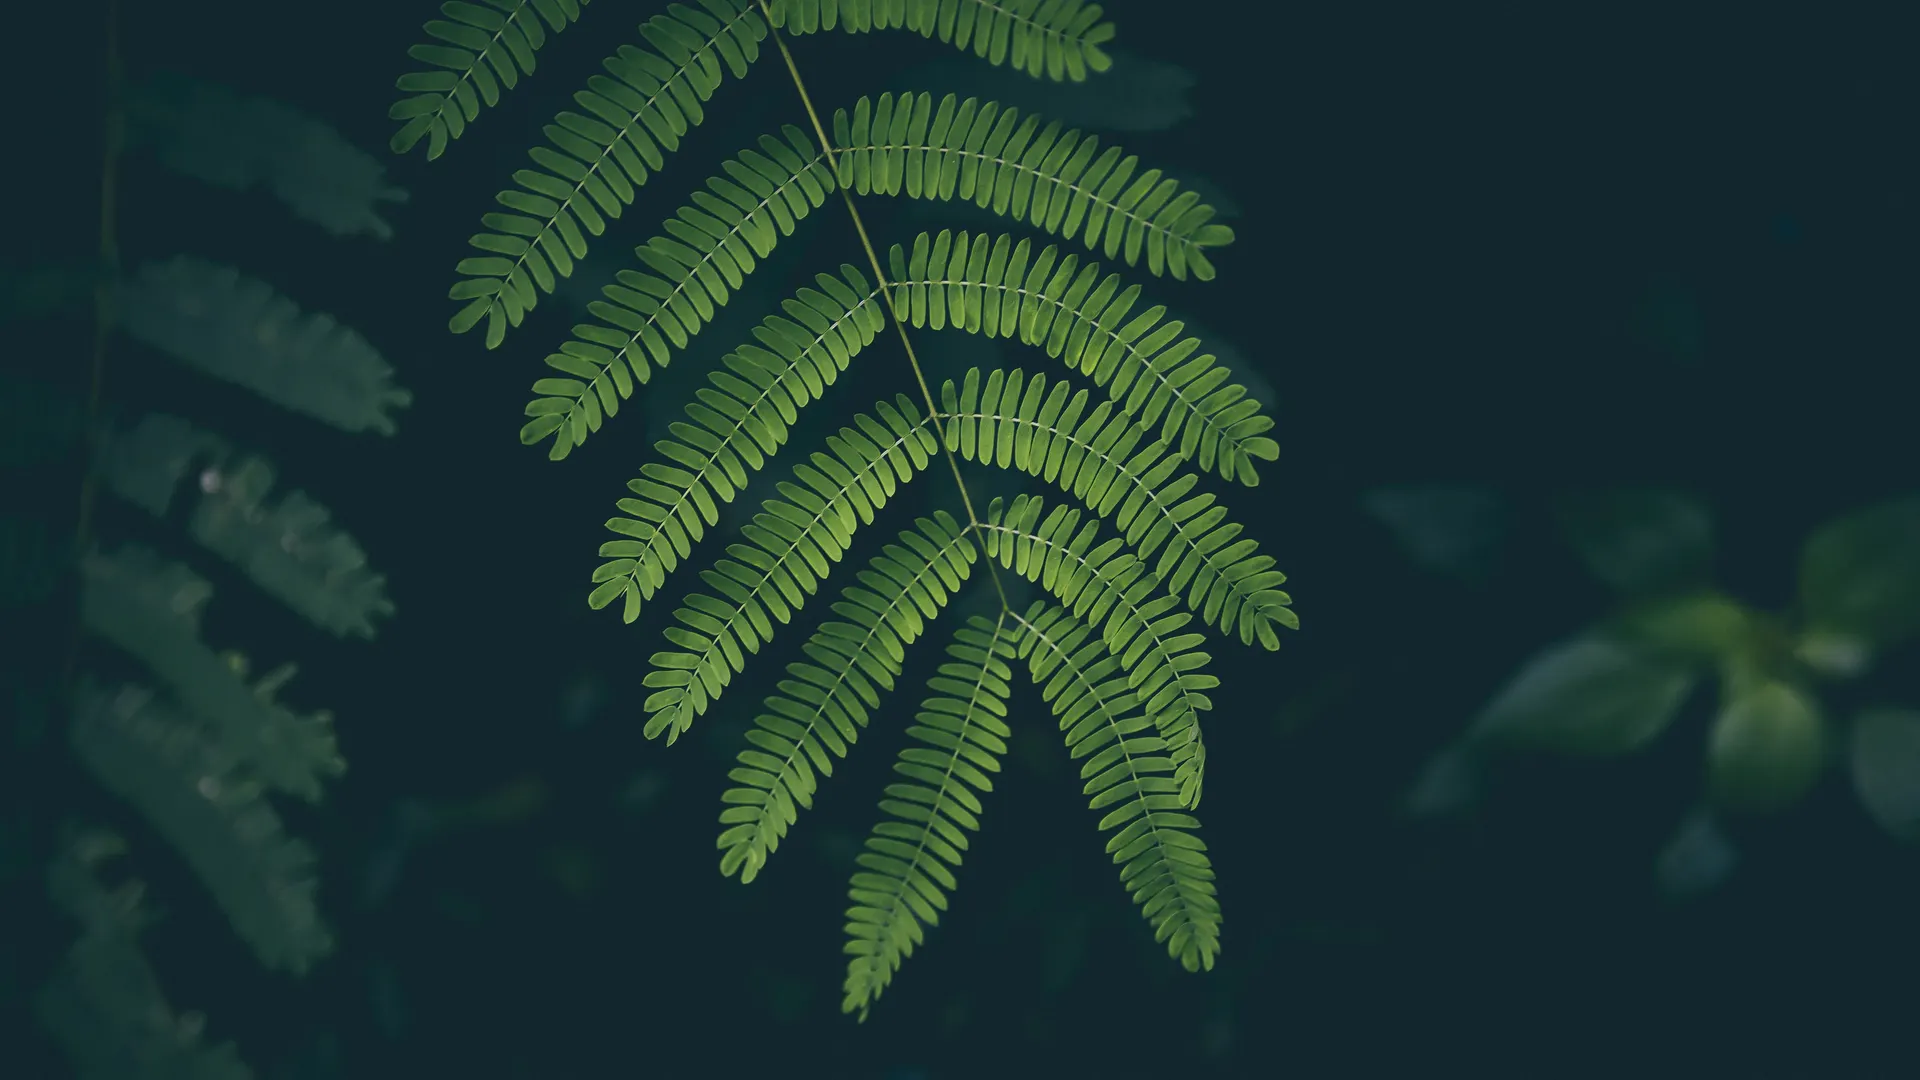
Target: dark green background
[(1454, 220)]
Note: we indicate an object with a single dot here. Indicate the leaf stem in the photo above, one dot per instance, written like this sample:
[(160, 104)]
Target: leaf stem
[(106, 281), (886, 293)]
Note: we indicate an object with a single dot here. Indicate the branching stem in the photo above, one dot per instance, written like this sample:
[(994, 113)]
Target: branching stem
[(886, 294)]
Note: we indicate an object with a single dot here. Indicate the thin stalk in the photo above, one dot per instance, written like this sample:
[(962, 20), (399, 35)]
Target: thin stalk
[(106, 278), (886, 294)]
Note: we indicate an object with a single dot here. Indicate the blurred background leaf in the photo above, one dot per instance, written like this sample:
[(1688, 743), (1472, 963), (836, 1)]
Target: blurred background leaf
[(1592, 695), (1884, 757), (1860, 575), (1767, 748), (1640, 542)]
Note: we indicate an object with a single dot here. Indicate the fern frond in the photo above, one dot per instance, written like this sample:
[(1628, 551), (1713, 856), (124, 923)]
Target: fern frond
[(103, 1002), (821, 709), (710, 248), (240, 142), (742, 419), (1094, 456), (239, 330), (1120, 656), (289, 547), (150, 610), (1059, 181), (994, 286), (983, 284), (712, 245), (793, 543), (201, 798), (1056, 38), (488, 46), (1098, 457), (738, 424), (596, 163), (1161, 862), (907, 867), (1109, 588)]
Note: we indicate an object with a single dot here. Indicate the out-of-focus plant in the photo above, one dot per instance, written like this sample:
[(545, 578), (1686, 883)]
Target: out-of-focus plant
[(1618, 686), (191, 742)]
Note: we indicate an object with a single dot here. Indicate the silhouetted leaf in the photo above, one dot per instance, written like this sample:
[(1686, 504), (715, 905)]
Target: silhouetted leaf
[(1454, 531), (1640, 542), (1449, 784), (1861, 574), (1592, 695), (1886, 768), (1697, 858)]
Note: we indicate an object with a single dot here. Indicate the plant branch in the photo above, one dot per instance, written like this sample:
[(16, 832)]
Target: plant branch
[(886, 293)]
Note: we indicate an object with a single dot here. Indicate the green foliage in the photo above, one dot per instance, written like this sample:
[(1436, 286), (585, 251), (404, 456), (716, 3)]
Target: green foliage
[(1111, 588), (823, 707), (288, 547), (1884, 757), (745, 416), (1059, 181), (1052, 38), (211, 726), (1860, 575), (1161, 862), (172, 726), (237, 329), (105, 1003), (204, 799), (907, 867), (708, 251), (790, 547), (486, 47), (649, 99), (1767, 746), (1620, 685), (1125, 475), (633, 117), (961, 150), (1594, 694), (238, 142), (1011, 421), (1128, 428)]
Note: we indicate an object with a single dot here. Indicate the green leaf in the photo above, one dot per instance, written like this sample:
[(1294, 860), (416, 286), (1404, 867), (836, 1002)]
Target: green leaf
[(1641, 542), (1767, 748), (1592, 695), (1884, 757), (1055, 39), (1697, 628), (594, 168), (1861, 575), (908, 865), (440, 103)]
